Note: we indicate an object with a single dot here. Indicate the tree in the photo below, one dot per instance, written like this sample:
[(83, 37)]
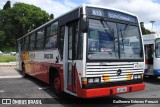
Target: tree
[(144, 30), (19, 20), (2, 38), (51, 16), (27, 17), (7, 5)]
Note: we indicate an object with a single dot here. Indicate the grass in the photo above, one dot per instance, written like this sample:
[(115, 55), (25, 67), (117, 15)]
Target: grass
[(7, 58)]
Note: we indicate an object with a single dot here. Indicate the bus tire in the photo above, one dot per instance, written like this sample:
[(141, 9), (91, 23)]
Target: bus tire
[(56, 84), (24, 75)]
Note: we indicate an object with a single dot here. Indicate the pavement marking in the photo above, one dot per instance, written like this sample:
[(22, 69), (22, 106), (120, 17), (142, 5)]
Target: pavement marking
[(1, 91), (43, 88), (14, 76)]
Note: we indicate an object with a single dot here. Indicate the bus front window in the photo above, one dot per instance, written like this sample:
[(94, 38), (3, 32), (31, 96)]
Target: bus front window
[(130, 42), (157, 48), (110, 40), (101, 40)]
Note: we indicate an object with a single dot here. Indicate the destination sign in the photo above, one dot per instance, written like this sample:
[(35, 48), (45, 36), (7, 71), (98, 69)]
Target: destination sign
[(121, 16), (111, 14)]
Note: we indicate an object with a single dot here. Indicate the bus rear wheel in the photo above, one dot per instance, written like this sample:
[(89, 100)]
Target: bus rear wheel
[(23, 71)]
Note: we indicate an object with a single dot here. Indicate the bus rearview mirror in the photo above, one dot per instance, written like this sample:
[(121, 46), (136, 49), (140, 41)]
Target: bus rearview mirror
[(83, 25)]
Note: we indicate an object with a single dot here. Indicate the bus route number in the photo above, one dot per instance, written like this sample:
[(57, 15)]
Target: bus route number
[(97, 12)]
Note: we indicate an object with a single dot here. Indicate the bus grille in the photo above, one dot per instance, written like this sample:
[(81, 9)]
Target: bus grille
[(110, 69)]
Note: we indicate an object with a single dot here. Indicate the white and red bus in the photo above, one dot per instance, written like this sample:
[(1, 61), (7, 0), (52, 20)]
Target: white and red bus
[(86, 52), (152, 55)]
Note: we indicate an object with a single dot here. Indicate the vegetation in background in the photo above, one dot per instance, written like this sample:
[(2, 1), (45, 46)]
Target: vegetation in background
[(17, 21), (7, 58), (144, 30), (7, 5)]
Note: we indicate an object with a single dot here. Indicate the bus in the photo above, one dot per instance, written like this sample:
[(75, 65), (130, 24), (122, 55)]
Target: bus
[(152, 55), (84, 52)]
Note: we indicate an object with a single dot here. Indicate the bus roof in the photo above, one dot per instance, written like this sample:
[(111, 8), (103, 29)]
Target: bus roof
[(84, 12), (105, 7)]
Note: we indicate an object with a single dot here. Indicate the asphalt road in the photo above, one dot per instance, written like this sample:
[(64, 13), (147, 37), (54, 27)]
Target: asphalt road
[(33, 88)]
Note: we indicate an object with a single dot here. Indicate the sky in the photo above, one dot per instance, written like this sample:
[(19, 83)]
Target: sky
[(146, 10)]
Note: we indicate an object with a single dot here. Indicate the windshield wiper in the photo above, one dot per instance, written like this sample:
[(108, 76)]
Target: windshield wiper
[(122, 38), (122, 33), (110, 30), (126, 26)]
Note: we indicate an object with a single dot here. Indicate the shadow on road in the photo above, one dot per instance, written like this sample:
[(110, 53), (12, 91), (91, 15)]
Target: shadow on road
[(71, 101), (19, 72), (151, 80)]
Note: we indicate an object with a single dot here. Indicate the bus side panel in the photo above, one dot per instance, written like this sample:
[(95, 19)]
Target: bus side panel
[(38, 63), (156, 70), (41, 72)]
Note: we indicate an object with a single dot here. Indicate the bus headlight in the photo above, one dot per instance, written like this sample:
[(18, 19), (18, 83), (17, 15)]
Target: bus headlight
[(93, 79), (137, 76), (96, 79), (90, 80)]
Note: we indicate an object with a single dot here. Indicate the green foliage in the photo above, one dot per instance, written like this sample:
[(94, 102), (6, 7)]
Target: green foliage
[(2, 36), (51, 16), (144, 30), (8, 49), (7, 58), (18, 21)]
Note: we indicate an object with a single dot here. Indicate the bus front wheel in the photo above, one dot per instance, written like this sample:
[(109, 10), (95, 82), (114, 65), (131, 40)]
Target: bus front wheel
[(56, 84)]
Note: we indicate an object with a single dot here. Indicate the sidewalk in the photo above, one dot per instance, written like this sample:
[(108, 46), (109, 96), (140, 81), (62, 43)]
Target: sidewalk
[(9, 64), (9, 70)]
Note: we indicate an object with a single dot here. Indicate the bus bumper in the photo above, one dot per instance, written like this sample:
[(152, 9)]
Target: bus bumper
[(100, 92)]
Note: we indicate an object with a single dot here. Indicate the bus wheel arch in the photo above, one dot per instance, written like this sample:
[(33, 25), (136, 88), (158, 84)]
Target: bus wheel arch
[(54, 80)]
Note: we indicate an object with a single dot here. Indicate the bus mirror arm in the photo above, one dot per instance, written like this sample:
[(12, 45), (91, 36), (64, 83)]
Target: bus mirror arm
[(83, 25), (57, 58)]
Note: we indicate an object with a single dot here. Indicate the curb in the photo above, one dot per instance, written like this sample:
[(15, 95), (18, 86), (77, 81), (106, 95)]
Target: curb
[(10, 64), (14, 76)]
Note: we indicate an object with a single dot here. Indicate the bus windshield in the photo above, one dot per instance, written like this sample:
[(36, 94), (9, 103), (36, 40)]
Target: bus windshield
[(157, 50), (111, 40)]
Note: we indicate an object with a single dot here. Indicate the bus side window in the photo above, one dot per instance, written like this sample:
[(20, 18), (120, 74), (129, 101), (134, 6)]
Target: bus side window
[(26, 43), (51, 41), (22, 44), (51, 35), (61, 40), (32, 41), (40, 39)]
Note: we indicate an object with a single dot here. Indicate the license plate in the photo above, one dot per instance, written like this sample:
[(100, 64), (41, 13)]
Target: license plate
[(121, 90)]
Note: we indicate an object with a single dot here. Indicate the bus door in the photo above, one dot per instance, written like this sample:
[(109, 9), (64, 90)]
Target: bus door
[(72, 44), (149, 58)]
